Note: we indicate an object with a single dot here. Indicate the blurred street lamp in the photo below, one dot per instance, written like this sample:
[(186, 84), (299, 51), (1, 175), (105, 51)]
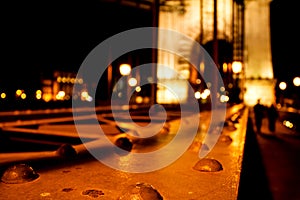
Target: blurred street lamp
[(282, 86), (3, 95), (125, 70), (296, 81), (19, 92), (237, 69), (23, 96), (38, 94), (296, 96), (132, 82)]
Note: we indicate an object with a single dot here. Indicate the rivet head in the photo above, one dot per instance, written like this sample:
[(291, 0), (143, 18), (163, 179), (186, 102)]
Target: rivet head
[(19, 173), (124, 143), (226, 139), (66, 151), (208, 165), (141, 191)]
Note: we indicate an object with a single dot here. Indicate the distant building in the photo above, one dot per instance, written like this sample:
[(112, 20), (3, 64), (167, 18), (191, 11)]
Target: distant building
[(59, 87)]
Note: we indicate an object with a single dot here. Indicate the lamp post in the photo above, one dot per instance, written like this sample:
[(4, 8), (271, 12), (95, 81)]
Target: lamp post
[(237, 69), (296, 82), (282, 86), (125, 70)]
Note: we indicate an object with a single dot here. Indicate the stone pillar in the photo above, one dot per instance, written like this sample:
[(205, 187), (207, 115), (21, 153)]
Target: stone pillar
[(259, 79)]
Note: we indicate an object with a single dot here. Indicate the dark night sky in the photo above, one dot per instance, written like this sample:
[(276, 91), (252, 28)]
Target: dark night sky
[(39, 36), (285, 39), (44, 33)]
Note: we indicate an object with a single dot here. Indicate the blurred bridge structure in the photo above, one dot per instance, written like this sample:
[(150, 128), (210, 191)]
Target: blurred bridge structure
[(236, 33)]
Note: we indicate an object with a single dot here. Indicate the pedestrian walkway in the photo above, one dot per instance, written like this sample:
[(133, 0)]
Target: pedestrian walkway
[(271, 167)]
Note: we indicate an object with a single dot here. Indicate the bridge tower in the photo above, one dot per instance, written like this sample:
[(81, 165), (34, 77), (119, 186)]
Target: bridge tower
[(259, 79), (193, 18), (242, 25)]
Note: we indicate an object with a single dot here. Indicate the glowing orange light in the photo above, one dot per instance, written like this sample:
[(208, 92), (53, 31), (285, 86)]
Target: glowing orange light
[(47, 97), (225, 67), (23, 96), (60, 95), (125, 69), (197, 95), (139, 99), (132, 82), (18, 92), (236, 67), (296, 81), (38, 94), (282, 85), (3, 95), (138, 89)]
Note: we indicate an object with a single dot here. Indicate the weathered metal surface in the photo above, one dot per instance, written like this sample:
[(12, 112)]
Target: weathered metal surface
[(86, 177)]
